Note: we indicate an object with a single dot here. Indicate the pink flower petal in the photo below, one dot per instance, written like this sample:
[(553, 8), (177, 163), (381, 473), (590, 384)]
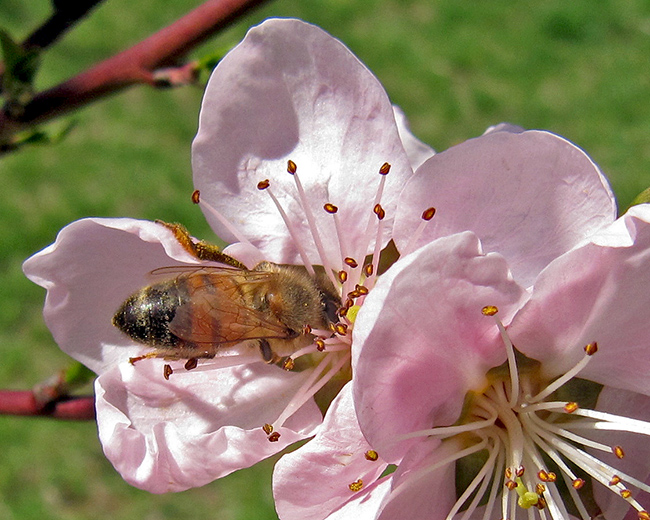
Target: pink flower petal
[(291, 91), (597, 292), (170, 435), (94, 265), (313, 481), (530, 196), (417, 492), (421, 341)]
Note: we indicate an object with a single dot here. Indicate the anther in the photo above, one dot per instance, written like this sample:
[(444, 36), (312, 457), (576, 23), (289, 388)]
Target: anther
[(361, 289), (342, 276), (379, 211), (306, 330), (540, 488), (330, 208), (351, 262), (167, 371), (591, 348), (292, 168), (191, 364), (428, 213), (618, 451), (371, 455), (268, 428), (511, 484), (508, 473), (320, 345), (626, 493), (262, 185), (288, 364), (274, 437), (578, 483), (368, 269), (571, 407), (643, 515), (196, 196), (356, 485), (542, 475), (489, 310), (341, 329), (385, 168), (520, 471), (615, 480)]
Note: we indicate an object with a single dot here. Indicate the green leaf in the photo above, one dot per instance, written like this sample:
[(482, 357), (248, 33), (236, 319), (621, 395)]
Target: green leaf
[(642, 197), (77, 375)]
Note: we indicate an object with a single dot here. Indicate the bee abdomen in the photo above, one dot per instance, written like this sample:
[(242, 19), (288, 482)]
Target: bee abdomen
[(145, 316)]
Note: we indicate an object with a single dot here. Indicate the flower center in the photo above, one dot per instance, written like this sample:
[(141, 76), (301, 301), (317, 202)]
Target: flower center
[(536, 453)]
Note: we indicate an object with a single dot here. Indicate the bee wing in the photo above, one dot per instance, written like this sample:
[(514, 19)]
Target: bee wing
[(217, 312)]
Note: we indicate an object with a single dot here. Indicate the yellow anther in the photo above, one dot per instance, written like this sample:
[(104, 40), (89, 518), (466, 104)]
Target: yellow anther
[(490, 310), (385, 168), (356, 485), (371, 455), (291, 167), (618, 451), (591, 348), (571, 407)]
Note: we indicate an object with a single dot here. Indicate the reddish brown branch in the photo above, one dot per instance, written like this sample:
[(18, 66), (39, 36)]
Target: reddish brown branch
[(16, 402), (132, 66)]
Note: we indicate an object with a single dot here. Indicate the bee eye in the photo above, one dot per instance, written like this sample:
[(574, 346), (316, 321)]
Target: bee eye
[(331, 309)]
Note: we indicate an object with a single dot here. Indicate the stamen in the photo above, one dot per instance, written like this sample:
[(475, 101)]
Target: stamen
[(265, 186), (333, 210), (293, 170), (309, 387), (363, 247), (232, 229), (589, 351), (427, 215), (492, 310)]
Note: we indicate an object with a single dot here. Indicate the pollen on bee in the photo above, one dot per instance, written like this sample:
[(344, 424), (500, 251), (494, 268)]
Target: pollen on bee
[(356, 485), (196, 196), (262, 185)]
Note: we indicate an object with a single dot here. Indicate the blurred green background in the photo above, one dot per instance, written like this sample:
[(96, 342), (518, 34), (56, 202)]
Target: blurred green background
[(577, 68)]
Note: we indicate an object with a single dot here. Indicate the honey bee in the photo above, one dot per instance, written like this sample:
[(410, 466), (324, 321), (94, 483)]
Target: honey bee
[(197, 310)]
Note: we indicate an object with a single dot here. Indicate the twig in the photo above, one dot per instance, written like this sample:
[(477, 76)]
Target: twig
[(23, 402), (65, 15), (132, 66)]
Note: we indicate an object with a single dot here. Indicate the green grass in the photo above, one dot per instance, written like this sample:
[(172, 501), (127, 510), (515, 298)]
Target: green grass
[(454, 66)]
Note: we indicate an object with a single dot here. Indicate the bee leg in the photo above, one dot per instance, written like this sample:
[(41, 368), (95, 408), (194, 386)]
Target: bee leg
[(134, 360), (267, 352), (201, 250)]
